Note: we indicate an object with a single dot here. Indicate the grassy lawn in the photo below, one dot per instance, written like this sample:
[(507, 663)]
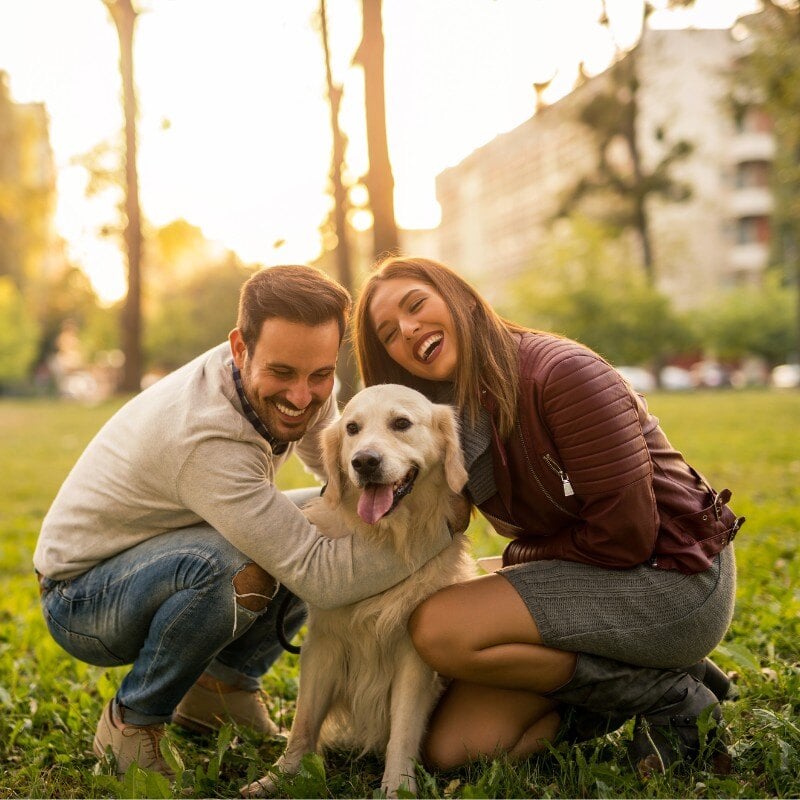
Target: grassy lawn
[(49, 703)]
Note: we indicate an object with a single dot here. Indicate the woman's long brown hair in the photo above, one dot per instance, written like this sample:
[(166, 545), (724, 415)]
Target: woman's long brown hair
[(487, 346)]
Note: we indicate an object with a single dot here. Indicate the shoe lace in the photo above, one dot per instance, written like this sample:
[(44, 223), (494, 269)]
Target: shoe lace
[(150, 739)]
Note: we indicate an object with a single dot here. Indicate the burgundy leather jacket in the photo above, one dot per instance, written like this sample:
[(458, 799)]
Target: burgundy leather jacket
[(588, 475)]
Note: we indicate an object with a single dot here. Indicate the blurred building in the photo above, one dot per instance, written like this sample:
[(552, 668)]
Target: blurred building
[(29, 247), (499, 203)]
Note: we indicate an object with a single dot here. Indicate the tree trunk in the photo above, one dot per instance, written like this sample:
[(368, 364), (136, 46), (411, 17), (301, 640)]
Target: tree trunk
[(379, 179), (347, 372), (124, 16)]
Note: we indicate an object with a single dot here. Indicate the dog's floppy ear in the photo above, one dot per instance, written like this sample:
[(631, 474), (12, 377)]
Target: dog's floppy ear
[(331, 442), (445, 425)]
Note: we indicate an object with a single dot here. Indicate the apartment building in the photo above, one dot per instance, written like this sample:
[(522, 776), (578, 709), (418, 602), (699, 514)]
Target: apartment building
[(499, 203)]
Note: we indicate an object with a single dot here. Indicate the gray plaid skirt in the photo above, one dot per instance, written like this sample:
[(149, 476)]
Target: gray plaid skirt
[(645, 616)]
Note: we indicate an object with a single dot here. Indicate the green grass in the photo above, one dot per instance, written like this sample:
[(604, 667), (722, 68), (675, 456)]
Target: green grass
[(49, 702)]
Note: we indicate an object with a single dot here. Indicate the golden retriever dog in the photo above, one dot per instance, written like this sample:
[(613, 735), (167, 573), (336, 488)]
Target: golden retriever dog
[(395, 468)]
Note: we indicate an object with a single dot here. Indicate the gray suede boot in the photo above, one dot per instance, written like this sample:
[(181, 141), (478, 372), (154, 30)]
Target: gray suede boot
[(604, 694)]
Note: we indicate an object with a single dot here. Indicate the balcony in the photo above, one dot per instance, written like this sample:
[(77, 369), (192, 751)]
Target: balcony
[(752, 146), (751, 257), (751, 201)]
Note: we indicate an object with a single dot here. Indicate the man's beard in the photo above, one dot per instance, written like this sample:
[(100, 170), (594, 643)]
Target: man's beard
[(269, 415)]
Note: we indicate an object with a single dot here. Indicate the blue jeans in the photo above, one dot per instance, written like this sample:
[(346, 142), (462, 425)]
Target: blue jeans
[(168, 607)]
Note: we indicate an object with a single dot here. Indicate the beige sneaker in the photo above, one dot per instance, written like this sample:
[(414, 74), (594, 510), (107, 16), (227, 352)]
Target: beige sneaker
[(129, 744), (205, 710)]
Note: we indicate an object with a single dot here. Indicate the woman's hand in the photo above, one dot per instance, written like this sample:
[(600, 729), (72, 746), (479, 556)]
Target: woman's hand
[(461, 514)]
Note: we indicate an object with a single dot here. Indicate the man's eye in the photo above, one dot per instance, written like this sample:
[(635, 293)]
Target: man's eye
[(401, 424), (351, 428)]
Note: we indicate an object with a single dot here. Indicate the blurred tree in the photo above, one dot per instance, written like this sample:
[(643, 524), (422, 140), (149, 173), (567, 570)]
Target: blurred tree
[(19, 334), (769, 77), (591, 290), (379, 179), (346, 370), (750, 321), (199, 314), (124, 16), (68, 296), (621, 176)]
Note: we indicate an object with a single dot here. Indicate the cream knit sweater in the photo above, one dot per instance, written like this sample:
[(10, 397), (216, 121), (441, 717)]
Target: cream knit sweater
[(182, 453)]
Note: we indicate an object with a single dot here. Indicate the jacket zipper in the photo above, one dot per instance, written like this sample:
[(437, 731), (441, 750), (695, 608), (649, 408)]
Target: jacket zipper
[(538, 479), (553, 464)]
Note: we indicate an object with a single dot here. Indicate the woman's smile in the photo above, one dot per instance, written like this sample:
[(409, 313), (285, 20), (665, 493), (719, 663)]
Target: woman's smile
[(415, 326)]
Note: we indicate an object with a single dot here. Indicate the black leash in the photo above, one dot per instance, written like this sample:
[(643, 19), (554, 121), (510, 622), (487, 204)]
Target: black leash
[(280, 625)]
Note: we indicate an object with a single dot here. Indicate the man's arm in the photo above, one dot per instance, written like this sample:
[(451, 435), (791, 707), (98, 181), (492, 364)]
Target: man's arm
[(226, 484)]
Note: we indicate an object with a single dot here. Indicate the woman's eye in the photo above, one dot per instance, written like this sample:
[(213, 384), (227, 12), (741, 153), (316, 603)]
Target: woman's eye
[(416, 304), (351, 428), (389, 338), (401, 424)]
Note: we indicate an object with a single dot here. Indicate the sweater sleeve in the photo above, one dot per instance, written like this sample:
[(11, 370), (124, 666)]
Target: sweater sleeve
[(225, 482), (594, 422)]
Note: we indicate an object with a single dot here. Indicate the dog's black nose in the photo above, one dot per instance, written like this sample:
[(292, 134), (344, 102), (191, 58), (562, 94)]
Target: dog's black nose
[(366, 463)]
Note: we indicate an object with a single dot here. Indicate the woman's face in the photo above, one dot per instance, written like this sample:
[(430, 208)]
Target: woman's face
[(414, 325)]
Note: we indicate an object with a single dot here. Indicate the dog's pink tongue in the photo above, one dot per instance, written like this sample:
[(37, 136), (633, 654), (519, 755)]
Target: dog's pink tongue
[(375, 501)]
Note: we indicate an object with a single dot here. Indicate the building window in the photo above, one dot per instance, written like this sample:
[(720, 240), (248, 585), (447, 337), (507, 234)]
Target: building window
[(752, 230), (753, 120), (752, 174)]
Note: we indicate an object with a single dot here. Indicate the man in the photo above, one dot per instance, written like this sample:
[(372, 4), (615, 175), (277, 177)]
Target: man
[(168, 546)]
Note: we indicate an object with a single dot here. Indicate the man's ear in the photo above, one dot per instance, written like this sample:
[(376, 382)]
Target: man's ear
[(331, 441), (238, 347)]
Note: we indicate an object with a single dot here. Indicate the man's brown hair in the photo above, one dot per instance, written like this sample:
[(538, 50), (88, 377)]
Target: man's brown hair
[(292, 292)]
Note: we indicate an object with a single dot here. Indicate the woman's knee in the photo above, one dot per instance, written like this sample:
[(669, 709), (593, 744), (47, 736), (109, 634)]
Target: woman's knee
[(441, 642)]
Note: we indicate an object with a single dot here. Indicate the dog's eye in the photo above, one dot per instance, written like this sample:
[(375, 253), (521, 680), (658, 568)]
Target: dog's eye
[(351, 428), (401, 424)]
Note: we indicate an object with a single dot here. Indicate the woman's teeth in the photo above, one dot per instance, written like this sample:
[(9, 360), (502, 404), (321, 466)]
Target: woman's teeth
[(428, 345)]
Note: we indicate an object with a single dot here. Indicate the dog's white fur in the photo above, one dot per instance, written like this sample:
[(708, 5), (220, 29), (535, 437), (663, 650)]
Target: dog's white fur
[(362, 683)]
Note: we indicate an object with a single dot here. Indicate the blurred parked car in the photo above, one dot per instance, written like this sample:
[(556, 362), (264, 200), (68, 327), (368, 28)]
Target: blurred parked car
[(675, 379), (786, 376), (639, 378)]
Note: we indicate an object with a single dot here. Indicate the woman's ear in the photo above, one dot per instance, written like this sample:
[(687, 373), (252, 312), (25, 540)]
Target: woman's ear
[(445, 424), (331, 444)]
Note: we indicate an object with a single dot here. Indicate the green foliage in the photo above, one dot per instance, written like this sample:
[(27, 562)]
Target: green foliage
[(49, 702), (589, 288), (751, 321), (197, 313), (18, 334)]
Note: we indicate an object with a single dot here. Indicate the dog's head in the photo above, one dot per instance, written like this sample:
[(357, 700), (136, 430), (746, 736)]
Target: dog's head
[(388, 437)]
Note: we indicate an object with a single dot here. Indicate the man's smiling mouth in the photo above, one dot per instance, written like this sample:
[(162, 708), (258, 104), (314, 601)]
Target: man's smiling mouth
[(289, 412)]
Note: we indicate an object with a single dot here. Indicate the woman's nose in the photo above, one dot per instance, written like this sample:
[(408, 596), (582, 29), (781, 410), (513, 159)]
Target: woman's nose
[(408, 327)]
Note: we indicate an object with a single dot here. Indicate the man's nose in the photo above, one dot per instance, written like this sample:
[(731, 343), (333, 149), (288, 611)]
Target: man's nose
[(299, 394)]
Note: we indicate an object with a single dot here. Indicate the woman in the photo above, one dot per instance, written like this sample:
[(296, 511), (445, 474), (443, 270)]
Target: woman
[(619, 573)]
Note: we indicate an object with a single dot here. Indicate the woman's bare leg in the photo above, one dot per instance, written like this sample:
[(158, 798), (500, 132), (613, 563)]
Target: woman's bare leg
[(481, 632), (473, 720)]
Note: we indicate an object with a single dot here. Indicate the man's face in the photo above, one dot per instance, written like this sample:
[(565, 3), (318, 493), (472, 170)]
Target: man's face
[(290, 374)]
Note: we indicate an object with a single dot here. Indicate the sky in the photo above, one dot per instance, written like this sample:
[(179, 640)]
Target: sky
[(234, 132)]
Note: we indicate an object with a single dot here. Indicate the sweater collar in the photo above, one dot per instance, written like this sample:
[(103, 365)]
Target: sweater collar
[(278, 448)]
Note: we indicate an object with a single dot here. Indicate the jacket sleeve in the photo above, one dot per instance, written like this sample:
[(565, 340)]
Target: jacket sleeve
[(226, 483), (594, 422)]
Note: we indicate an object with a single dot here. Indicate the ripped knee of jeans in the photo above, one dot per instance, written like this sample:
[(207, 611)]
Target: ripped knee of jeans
[(253, 587)]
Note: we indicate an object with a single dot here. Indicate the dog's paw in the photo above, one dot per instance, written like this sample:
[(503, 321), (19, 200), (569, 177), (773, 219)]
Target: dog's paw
[(390, 788), (263, 787)]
